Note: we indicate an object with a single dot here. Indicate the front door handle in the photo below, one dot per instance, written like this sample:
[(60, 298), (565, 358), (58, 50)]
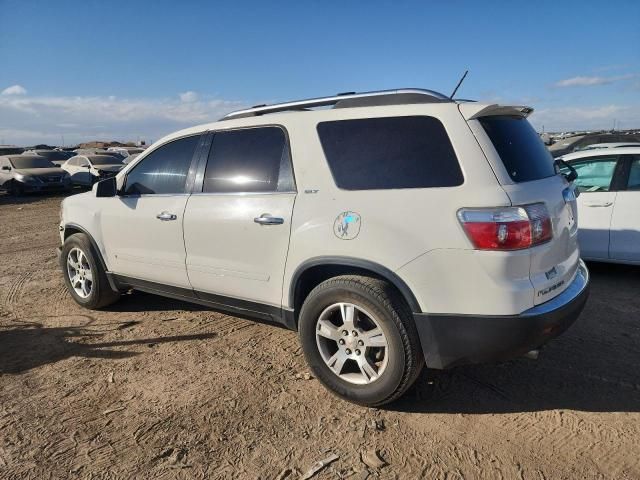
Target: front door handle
[(599, 204), (166, 216), (267, 219)]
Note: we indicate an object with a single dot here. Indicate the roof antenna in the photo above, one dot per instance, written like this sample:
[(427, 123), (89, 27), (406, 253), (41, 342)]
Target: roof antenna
[(459, 83)]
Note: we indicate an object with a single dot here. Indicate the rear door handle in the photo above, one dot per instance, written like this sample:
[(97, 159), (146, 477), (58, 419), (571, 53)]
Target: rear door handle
[(166, 216), (602, 204), (267, 219)]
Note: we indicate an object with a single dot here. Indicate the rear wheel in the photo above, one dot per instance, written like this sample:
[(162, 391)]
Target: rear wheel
[(84, 276), (359, 339)]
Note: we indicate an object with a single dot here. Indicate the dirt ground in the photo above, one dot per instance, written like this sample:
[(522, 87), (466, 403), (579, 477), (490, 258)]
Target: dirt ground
[(155, 388)]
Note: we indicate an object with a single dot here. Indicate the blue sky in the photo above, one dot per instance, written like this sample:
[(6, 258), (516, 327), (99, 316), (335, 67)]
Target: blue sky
[(112, 69)]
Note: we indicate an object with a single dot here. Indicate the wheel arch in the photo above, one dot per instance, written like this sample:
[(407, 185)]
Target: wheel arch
[(73, 228), (318, 269)]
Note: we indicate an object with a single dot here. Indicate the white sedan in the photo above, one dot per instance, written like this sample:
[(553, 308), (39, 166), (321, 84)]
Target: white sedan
[(608, 204), (87, 169)]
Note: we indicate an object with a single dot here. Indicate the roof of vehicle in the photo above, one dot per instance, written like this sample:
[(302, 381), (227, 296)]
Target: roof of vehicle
[(598, 152), (93, 157), (282, 112), (612, 145)]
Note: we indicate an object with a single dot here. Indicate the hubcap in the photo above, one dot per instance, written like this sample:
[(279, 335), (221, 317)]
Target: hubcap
[(351, 343), (79, 272)]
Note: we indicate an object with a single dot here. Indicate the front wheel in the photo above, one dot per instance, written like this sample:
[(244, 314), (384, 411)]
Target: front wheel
[(358, 337), (17, 189), (84, 276)]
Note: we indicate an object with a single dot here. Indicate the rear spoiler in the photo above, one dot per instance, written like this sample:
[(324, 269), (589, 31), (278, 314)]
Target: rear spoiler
[(471, 111)]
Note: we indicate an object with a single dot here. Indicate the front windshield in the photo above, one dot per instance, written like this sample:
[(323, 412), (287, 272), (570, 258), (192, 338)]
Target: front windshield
[(106, 160), (31, 161)]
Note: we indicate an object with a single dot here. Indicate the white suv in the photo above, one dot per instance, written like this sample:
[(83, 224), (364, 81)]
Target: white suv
[(393, 229)]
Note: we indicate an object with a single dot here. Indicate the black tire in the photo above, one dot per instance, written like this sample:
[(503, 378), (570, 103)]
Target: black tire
[(101, 293), (17, 189), (394, 317)]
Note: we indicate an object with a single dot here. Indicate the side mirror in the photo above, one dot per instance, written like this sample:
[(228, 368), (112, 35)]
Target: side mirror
[(107, 188), (6, 167), (86, 166), (566, 170)]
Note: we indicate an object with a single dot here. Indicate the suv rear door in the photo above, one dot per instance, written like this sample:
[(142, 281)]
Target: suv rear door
[(142, 225), (238, 220)]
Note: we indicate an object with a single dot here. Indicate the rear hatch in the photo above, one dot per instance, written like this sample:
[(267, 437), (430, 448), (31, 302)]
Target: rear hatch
[(525, 169)]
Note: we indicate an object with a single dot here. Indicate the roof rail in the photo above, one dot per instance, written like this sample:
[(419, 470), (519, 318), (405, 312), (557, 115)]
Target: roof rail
[(349, 99)]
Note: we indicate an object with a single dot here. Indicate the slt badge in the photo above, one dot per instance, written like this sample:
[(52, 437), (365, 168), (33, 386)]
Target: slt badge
[(347, 225)]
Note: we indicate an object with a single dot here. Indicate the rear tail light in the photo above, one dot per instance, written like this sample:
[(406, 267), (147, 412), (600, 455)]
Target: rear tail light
[(507, 228)]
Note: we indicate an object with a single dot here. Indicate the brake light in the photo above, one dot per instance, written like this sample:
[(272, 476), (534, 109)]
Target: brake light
[(507, 228)]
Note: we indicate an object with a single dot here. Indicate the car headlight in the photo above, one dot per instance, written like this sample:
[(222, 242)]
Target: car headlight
[(25, 178)]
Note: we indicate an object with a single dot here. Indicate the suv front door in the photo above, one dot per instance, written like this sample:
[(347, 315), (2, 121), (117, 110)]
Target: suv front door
[(142, 225), (237, 226), (595, 204), (625, 222)]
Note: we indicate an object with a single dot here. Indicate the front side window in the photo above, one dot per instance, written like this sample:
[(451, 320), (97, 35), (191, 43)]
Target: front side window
[(163, 171), (595, 174), (389, 152), (249, 160), (523, 154), (634, 175)]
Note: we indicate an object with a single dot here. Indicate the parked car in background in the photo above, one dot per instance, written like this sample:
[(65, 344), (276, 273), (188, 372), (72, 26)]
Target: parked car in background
[(596, 146), (130, 158), (580, 142), (55, 156), (10, 150), (31, 173), (96, 151), (609, 203), (125, 151), (416, 229), (86, 170)]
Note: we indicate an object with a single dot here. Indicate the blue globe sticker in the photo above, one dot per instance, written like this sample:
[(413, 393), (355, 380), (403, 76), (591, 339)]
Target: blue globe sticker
[(347, 225)]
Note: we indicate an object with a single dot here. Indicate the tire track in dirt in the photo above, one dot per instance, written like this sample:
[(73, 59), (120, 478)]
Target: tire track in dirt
[(15, 292)]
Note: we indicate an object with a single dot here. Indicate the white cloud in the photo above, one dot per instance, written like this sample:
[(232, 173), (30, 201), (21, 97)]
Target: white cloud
[(26, 119), (189, 96), (14, 90), (587, 81), (586, 118)]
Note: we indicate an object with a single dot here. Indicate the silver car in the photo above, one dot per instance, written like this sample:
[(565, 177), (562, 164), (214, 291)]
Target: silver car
[(32, 173)]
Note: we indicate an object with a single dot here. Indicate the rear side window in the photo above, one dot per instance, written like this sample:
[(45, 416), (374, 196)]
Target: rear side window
[(634, 175), (249, 160), (390, 152), (163, 171), (522, 152)]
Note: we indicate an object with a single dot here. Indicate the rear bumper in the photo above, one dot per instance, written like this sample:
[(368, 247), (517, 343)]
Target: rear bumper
[(450, 340)]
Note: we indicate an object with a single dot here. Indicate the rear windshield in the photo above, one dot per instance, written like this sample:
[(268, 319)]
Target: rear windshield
[(31, 161), (522, 152)]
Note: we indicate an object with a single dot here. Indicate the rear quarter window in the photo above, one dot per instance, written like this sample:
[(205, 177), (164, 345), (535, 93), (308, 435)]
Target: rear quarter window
[(389, 153), (519, 146)]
